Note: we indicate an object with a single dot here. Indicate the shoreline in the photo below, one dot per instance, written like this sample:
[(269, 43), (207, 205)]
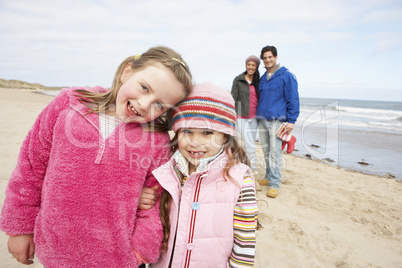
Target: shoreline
[(311, 150), (324, 216), (370, 152)]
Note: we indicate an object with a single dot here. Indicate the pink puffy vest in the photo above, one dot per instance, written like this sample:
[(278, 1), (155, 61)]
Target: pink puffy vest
[(202, 216)]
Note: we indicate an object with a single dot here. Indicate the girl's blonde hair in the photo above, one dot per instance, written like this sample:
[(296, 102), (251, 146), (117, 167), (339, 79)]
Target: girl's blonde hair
[(98, 102), (235, 153)]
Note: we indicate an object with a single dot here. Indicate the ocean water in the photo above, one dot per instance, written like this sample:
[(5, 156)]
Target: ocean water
[(354, 134)]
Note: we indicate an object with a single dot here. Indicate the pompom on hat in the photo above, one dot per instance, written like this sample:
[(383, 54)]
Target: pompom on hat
[(254, 59), (207, 107)]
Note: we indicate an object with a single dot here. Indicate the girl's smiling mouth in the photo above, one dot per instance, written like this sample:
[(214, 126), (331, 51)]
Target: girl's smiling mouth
[(132, 110), (194, 154)]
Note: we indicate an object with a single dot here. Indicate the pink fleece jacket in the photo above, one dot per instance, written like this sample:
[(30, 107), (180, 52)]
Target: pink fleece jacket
[(78, 193)]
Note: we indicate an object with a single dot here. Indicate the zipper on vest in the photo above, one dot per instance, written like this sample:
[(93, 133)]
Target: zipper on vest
[(192, 220), (101, 150)]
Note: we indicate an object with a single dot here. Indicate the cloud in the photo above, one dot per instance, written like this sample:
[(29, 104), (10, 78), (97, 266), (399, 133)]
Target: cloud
[(82, 42), (389, 14)]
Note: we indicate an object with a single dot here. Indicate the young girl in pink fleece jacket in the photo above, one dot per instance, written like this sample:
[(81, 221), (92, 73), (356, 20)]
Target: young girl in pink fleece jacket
[(72, 199)]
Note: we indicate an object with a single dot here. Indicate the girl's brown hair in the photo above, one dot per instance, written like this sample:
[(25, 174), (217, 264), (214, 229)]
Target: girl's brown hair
[(235, 153), (99, 102)]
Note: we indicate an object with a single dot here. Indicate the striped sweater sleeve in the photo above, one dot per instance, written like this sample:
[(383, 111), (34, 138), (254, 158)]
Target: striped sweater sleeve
[(245, 225)]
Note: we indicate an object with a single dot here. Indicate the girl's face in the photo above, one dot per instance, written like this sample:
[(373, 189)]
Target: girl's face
[(147, 94), (196, 144), (251, 67)]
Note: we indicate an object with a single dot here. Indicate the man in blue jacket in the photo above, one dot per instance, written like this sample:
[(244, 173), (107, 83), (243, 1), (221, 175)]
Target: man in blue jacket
[(278, 103)]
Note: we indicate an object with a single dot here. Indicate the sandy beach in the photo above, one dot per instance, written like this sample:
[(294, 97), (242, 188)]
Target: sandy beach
[(324, 216)]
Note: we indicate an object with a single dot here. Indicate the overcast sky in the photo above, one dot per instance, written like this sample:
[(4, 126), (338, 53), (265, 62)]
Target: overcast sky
[(337, 49)]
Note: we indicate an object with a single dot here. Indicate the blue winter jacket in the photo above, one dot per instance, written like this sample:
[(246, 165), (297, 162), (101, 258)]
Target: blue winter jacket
[(279, 98)]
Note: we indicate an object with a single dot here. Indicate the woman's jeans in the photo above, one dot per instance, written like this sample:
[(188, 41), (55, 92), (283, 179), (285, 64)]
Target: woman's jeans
[(247, 129), (272, 148)]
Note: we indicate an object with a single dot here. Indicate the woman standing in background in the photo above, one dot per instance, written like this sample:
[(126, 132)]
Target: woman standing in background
[(245, 94)]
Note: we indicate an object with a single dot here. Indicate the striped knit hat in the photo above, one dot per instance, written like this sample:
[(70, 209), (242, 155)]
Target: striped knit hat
[(208, 106)]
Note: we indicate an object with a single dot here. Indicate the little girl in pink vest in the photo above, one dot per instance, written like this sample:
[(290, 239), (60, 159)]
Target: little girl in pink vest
[(208, 208)]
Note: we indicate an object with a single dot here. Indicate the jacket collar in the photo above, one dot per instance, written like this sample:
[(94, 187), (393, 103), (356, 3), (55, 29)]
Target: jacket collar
[(77, 105), (277, 67), (181, 164), (92, 118), (165, 174)]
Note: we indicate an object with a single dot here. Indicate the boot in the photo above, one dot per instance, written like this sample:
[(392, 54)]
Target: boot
[(272, 192)]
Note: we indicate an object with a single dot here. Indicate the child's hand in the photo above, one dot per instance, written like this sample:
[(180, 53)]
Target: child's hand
[(22, 248), (148, 197)]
